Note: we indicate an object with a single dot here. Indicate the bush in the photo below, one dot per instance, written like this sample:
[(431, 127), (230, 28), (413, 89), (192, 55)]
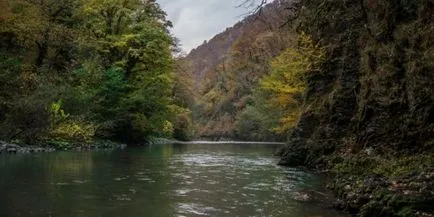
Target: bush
[(183, 127), (64, 127)]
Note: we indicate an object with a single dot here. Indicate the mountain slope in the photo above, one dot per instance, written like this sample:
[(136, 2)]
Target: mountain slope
[(226, 69)]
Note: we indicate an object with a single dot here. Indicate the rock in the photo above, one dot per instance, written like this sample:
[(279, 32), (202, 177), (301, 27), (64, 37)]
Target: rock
[(339, 204), (12, 150), (301, 197), (13, 146), (368, 151), (6, 148), (293, 154), (2, 149)]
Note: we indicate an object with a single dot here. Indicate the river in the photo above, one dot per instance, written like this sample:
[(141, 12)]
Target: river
[(162, 180)]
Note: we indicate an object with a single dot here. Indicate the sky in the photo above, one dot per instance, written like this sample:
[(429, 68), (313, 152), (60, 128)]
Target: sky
[(198, 20)]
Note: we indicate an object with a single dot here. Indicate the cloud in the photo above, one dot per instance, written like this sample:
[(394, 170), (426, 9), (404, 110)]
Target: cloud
[(198, 20)]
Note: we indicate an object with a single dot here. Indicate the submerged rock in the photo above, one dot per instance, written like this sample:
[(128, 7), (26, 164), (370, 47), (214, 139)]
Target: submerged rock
[(300, 196)]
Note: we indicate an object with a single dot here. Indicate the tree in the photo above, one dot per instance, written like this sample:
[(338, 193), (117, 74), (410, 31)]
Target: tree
[(288, 78), (134, 46), (108, 62)]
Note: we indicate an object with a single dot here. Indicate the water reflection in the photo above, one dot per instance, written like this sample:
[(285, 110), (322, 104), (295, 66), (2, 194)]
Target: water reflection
[(169, 180)]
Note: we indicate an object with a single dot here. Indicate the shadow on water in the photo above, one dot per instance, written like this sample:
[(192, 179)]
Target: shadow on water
[(164, 180)]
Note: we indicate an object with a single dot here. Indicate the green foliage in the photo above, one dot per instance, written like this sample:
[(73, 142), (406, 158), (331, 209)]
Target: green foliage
[(56, 111), (183, 125), (65, 127), (27, 119), (75, 70), (253, 124), (384, 166)]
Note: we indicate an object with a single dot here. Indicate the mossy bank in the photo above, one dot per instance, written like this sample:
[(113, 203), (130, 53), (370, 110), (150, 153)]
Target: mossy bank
[(368, 112)]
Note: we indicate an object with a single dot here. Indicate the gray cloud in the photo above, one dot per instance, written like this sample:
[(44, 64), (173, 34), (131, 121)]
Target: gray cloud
[(198, 20)]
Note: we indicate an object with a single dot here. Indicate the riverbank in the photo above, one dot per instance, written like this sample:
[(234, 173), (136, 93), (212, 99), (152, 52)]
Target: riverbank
[(8, 148), (370, 184), (51, 146)]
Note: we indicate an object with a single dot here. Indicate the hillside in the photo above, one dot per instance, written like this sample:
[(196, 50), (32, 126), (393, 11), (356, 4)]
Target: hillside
[(226, 69)]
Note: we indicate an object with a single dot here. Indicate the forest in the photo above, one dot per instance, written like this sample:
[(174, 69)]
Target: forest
[(348, 85), (76, 71)]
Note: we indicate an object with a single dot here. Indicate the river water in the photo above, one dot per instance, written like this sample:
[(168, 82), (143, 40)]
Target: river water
[(158, 181)]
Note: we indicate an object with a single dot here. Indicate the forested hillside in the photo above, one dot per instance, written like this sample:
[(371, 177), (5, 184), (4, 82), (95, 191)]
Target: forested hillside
[(225, 71), (72, 71)]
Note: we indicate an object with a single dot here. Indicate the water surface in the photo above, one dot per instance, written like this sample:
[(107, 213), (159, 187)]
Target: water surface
[(168, 180)]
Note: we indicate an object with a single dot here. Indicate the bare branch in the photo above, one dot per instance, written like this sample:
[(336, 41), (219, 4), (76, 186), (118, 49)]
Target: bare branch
[(254, 6)]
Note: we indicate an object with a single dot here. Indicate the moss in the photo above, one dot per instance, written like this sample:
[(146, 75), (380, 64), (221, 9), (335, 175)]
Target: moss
[(385, 166), (376, 185)]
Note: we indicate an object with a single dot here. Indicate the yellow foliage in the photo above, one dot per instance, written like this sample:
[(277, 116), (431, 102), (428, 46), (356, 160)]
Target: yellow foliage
[(57, 112), (168, 128), (74, 130), (63, 127), (288, 78), (289, 120)]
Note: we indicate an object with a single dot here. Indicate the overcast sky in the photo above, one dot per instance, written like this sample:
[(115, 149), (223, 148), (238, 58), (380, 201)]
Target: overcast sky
[(198, 20)]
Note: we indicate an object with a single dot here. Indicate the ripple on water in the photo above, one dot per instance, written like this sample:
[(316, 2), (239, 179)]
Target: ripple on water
[(203, 160), (121, 197), (81, 181), (62, 183), (146, 179), (120, 179), (196, 209), (183, 192), (187, 182), (212, 182), (214, 160), (258, 186), (182, 175)]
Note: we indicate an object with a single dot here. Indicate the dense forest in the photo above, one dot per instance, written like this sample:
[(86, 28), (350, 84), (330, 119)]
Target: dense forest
[(75, 71)]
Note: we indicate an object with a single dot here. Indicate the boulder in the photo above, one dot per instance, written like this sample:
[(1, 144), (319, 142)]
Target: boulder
[(8, 148), (12, 150), (2, 149)]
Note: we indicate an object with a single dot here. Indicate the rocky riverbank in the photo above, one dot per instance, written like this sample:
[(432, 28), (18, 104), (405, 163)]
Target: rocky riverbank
[(370, 184), (7, 148), (10, 148), (378, 196)]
